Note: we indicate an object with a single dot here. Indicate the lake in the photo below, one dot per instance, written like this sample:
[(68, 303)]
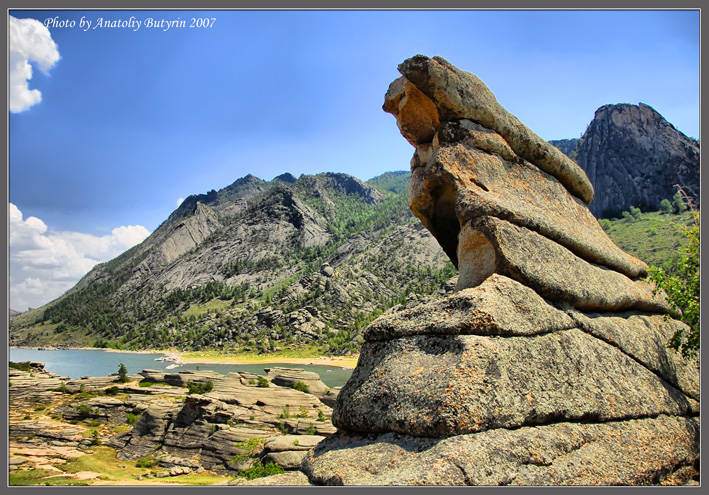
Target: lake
[(75, 363)]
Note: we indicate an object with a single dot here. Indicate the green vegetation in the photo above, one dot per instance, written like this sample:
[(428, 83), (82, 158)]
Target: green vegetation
[(682, 286), (301, 387), (668, 241), (654, 237), (199, 388), (111, 390), (131, 419), (22, 366), (123, 373), (262, 382), (146, 462), (251, 449)]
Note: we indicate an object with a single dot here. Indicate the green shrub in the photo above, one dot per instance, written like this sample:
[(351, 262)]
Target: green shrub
[(683, 290), (262, 382), (285, 413), (131, 419), (259, 470), (321, 415), (146, 462), (302, 412), (22, 366), (311, 430), (111, 390), (84, 410), (199, 388), (301, 386)]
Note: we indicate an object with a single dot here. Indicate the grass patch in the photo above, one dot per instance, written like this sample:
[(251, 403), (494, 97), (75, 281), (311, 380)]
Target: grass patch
[(41, 477), (653, 237), (156, 384)]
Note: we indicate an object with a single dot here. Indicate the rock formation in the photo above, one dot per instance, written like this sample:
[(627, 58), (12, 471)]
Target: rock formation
[(634, 157), (549, 364)]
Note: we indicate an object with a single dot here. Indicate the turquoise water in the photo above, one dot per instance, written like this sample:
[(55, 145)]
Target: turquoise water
[(76, 363)]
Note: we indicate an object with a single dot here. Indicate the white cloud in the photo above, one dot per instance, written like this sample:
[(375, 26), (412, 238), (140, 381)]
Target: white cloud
[(29, 40), (179, 201), (44, 264)]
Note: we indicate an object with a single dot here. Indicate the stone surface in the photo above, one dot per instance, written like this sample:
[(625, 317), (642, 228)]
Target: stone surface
[(634, 452), (557, 274), (459, 183), (287, 377), (634, 157), (550, 365), (499, 306), (461, 95), (467, 383)]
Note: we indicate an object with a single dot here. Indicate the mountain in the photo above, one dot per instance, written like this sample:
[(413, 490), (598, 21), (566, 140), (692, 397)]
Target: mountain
[(634, 157), (255, 266)]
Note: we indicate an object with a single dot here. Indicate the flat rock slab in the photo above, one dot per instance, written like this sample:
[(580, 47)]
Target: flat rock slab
[(633, 452), (557, 274), (435, 386), (498, 306)]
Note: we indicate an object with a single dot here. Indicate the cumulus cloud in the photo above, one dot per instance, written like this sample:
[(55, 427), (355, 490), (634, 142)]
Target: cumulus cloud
[(30, 40), (44, 264)]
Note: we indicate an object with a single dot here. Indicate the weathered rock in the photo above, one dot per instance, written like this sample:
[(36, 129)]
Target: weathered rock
[(461, 95), (630, 452), (458, 183), (294, 478), (524, 376), (499, 306), (287, 377), (645, 338), (552, 270), (467, 383)]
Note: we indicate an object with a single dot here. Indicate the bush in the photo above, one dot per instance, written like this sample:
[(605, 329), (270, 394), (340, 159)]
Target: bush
[(111, 390), (259, 470), (199, 388), (301, 386), (666, 206), (84, 410), (146, 462), (131, 419), (262, 382), (605, 224), (683, 290)]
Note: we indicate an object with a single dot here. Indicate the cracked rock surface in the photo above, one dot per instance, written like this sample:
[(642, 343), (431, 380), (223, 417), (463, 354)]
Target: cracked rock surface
[(549, 365)]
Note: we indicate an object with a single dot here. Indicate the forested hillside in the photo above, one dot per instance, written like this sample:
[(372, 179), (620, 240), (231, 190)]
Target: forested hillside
[(256, 266)]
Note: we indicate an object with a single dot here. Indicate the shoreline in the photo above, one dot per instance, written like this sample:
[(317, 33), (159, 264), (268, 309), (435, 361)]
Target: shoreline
[(194, 357)]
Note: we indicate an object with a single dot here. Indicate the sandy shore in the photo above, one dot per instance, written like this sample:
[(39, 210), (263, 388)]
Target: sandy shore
[(349, 362), (341, 361)]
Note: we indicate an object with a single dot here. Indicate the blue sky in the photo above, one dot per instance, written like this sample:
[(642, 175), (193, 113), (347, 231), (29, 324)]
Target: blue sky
[(131, 120)]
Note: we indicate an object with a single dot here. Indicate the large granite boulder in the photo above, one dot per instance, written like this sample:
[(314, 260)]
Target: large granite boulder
[(550, 364)]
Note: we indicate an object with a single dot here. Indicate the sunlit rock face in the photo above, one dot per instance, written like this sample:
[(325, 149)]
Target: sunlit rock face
[(549, 365)]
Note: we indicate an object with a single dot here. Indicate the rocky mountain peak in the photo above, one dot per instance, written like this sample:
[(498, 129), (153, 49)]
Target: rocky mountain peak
[(634, 157)]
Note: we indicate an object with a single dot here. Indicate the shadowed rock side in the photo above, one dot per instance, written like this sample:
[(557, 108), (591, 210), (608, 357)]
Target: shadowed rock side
[(549, 365)]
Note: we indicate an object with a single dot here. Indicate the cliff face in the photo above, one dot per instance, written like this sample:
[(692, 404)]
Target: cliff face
[(634, 157)]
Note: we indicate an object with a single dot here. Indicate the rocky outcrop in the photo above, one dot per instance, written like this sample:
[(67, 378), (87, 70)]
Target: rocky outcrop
[(550, 364), (288, 377), (634, 157)]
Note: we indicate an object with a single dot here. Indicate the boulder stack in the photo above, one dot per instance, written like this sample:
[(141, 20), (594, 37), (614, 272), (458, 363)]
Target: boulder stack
[(549, 365)]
